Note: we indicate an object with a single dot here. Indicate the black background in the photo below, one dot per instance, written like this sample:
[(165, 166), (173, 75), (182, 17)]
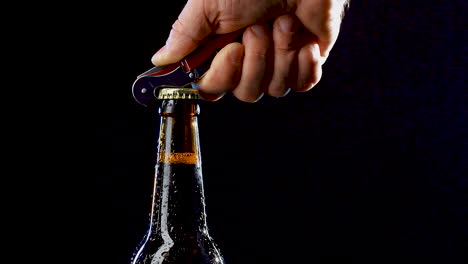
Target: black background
[(367, 167)]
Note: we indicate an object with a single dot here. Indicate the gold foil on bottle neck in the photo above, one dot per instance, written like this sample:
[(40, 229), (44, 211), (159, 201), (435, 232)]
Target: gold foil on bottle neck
[(178, 93)]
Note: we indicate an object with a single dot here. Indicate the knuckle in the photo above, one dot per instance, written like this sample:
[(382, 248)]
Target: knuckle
[(179, 28), (284, 42), (260, 54)]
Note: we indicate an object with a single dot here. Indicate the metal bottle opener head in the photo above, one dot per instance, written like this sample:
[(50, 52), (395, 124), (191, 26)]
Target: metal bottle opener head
[(184, 73)]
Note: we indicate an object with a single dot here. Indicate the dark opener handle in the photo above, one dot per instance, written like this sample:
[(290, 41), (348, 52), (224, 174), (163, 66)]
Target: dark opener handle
[(207, 51)]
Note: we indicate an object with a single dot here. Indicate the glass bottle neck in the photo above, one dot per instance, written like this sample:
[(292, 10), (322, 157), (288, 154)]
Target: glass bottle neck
[(178, 200)]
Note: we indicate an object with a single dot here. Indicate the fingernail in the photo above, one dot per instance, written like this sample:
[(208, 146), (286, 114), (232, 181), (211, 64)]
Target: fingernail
[(258, 30), (286, 24), (157, 56), (211, 97), (260, 97), (307, 87)]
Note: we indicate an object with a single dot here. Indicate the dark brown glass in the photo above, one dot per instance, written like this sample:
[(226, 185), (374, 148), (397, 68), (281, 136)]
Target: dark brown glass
[(178, 232)]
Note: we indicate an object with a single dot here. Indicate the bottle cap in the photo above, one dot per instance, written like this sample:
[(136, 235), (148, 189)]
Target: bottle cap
[(178, 93)]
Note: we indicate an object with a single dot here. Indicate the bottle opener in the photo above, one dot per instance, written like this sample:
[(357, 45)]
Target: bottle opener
[(183, 73)]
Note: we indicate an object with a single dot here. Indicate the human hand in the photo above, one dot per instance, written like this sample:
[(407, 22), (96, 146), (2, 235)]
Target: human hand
[(284, 45)]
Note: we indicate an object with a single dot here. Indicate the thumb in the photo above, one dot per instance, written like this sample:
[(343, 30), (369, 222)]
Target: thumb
[(187, 32)]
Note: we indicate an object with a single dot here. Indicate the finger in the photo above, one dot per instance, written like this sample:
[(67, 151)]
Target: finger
[(285, 56), (323, 19), (187, 32), (256, 73), (310, 67), (224, 72)]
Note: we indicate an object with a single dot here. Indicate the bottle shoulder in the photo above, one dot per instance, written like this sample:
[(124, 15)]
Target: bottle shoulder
[(196, 249)]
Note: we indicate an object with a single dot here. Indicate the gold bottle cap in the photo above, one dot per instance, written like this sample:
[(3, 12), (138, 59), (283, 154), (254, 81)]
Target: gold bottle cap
[(178, 93)]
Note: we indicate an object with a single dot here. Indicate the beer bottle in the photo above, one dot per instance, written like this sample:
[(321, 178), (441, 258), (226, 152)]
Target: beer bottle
[(177, 231)]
